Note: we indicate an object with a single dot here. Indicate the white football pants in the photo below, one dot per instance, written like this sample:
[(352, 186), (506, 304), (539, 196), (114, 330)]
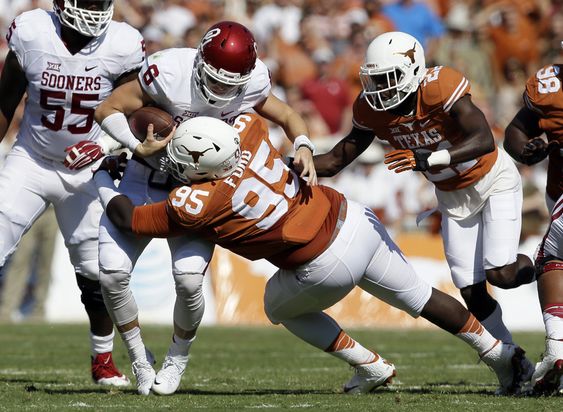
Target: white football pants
[(28, 184), (119, 252), (486, 240), (361, 255)]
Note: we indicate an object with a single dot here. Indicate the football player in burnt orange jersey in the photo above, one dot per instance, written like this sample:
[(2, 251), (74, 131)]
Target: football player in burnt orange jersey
[(543, 113), (427, 115), (242, 196)]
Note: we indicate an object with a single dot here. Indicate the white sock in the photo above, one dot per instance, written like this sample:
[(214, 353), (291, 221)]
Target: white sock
[(475, 335), (494, 324), (101, 344), (347, 349), (134, 344), (553, 319), (180, 346)]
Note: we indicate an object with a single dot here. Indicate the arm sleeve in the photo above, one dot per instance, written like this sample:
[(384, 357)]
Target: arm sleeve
[(153, 220)]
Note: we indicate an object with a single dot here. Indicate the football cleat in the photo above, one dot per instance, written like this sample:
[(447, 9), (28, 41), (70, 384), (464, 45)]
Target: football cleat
[(144, 373), (168, 378), (370, 376), (104, 371), (548, 377), (511, 366)]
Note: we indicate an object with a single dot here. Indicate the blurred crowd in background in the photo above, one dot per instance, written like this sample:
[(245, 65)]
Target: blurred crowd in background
[(314, 49)]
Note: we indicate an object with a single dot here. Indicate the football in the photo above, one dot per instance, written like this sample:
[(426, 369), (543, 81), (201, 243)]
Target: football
[(140, 119)]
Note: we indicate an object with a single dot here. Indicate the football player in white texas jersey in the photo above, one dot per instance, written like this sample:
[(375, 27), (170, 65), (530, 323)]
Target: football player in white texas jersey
[(221, 78), (67, 61)]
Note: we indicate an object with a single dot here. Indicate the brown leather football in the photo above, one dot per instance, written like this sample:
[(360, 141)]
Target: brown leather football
[(140, 119)]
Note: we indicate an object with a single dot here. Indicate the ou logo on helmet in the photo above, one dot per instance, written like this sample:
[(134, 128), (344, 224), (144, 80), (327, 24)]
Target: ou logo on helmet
[(209, 36)]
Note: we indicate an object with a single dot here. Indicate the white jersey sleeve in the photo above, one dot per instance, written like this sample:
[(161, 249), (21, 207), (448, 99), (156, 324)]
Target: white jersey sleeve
[(259, 86), (128, 48), (164, 72), (22, 33)]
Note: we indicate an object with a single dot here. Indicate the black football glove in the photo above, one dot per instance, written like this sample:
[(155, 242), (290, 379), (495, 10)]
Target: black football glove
[(536, 150), (114, 165)]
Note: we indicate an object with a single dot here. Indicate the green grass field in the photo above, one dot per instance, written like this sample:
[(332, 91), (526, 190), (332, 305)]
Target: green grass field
[(45, 367)]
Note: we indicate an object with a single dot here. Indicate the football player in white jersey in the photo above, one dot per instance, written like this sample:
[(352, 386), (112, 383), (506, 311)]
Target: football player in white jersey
[(221, 78), (66, 61)]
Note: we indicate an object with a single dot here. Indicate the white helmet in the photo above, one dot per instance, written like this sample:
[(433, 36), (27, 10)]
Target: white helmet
[(393, 69), (203, 148), (90, 18)]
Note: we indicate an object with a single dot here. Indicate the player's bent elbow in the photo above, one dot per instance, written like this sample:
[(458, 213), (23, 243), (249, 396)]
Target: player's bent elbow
[(99, 115), (120, 214)]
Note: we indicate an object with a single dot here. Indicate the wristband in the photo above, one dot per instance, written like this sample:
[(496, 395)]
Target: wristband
[(117, 127), (106, 187), (108, 144), (303, 140), (439, 158)]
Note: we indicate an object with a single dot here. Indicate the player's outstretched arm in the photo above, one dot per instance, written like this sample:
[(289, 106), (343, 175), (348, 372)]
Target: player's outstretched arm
[(13, 84), (296, 130), (343, 153), (148, 220)]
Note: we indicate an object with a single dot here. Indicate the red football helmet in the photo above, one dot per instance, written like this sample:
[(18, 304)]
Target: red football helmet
[(225, 59)]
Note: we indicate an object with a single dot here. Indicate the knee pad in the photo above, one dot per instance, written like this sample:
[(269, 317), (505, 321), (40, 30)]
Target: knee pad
[(118, 298), (190, 302), (114, 282), (91, 294), (84, 258), (189, 285)]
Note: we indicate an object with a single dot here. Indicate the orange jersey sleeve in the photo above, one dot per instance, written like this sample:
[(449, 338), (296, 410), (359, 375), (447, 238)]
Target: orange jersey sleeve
[(442, 87), (153, 220)]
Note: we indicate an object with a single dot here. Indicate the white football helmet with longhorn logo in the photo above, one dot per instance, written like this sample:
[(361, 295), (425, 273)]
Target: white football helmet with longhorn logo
[(394, 67), (203, 148)]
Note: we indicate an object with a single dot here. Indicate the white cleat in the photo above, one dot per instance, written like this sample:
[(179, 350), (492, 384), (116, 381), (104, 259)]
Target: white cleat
[(168, 378), (145, 374), (370, 376), (511, 367), (548, 377)]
